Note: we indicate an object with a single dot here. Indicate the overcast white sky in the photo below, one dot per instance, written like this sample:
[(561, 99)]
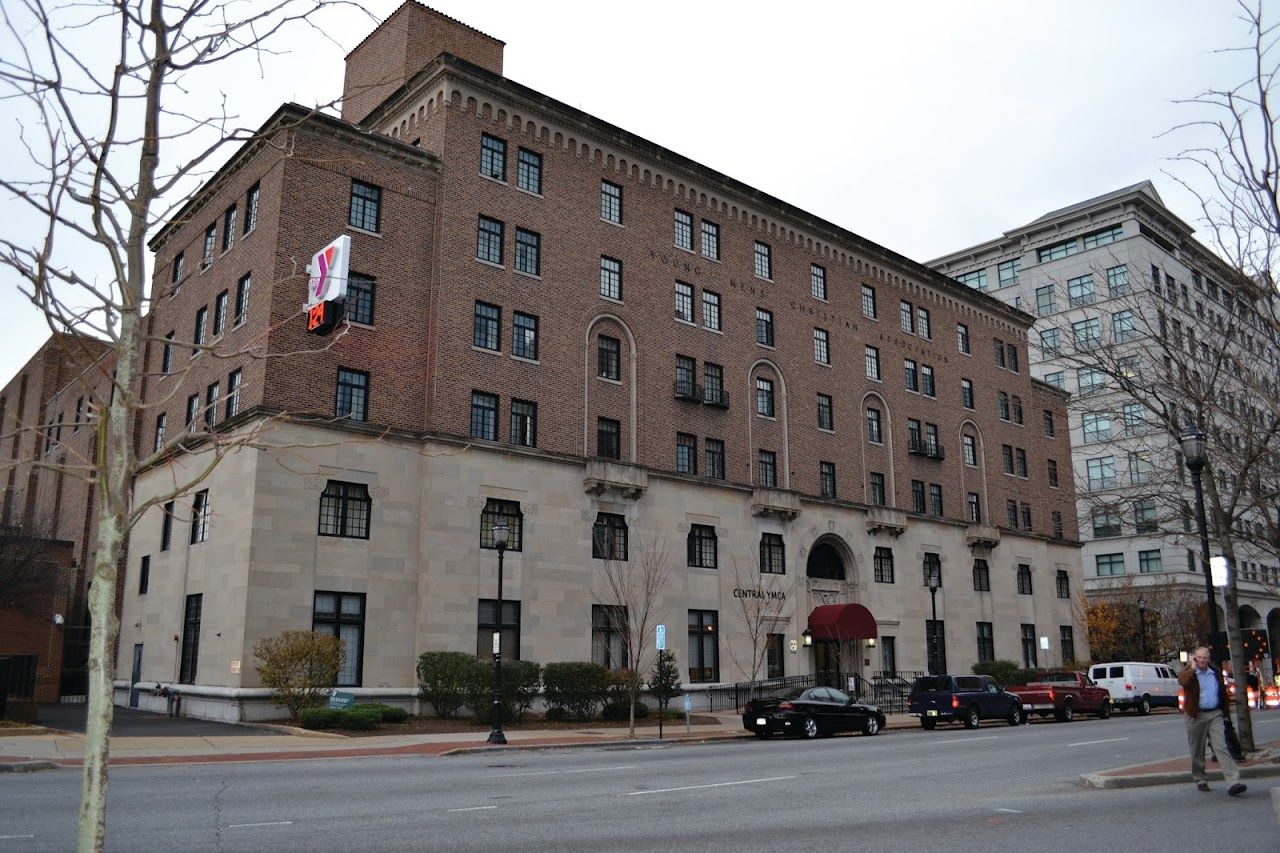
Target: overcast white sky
[(924, 126)]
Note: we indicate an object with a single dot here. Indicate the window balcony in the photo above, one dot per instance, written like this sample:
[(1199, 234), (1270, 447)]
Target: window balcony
[(926, 448), (982, 536), (883, 519), (603, 475), (779, 502), (689, 391), (717, 397)]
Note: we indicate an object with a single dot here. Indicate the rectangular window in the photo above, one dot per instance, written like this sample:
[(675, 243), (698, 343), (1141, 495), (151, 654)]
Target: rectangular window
[(882, 564), (1102, 238), (242, 298), (251, 199), (161, 421), (609, 537), (219, 313), (1006, 455), (764, 397), (166, 526), (868, 302), (1123, 326), (1022, 462), (1053, 473), (907, 317), (1067, 640), (1057, 379), (508, 630), (1024, 579), (505, 511), (175, 271), (927, 387), (166, 354), (1049, 427), (608, 357), (1080, 291), (193, 411), (970, 445), (1057, 525), (610, 278), (1118, 280), (910, 371), (200, 517), (962, 338), (1141, 468), (878, 495), (764, 260), (1090, 379), (1149, 561), (1064, 584), (341, 614), (190, 660), (489, 240), (1002, 401), (917, 496), (228, 228), (825, 418), (711, 240), (610, 202), (966, 393), (775, 656), (874, 434), (365, 211), (704, 647), (484, 416), (986, 642), (1101, 472), (197, 336), (935, 636), (713, 452), (144, 575), (821, 346), (713, 393), (1135, 419), (493, 157), (529, 171), (1109, 565), (871, 355), (528, 252), (1045, 304), (1087, 334), (1057, 250), (1011, 353), (683, 230), (1029, 660), (352, 398), (686, 453), (487, 328), (524, 336), (702, 546), (924, 327), (210, 240), (827, 479), (344, 510), (233, 392), (935, 499), (1096, 426), (773, 557), (524, 423), (768, 469), (1007, 272), (1011, 511), (976, 279), (608, 438), (973, 504), (1144, 515), (932, 568), (997, 347), (818, 281), (684, 302), (211, 405), (609, 630), (764, 327), (359, 303), (711, 310)]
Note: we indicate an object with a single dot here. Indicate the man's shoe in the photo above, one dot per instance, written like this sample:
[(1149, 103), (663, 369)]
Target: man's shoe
[(1237, 789), (1202, 786)]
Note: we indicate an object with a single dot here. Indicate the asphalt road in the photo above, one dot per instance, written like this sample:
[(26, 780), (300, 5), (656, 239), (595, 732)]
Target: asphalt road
[(994, 789)]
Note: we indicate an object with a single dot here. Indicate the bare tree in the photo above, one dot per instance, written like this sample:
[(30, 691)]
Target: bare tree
[(96, 135), (28, 571), (634, 574), (759, 599)]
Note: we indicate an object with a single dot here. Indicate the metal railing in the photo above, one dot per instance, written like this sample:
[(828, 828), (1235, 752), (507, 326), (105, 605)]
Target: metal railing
[(745, 691), (889, 690)]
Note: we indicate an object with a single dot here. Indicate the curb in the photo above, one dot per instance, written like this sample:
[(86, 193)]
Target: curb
[(22, 731), (1146, 780), (603, 744), (295, 731), (26, 766)]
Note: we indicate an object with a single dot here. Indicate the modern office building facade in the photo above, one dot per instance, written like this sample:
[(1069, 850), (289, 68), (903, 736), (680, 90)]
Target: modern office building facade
[(625, 355), (1124, 294)]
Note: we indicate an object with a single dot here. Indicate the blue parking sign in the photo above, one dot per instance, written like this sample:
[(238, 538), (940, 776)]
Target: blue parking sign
[(662, 638)]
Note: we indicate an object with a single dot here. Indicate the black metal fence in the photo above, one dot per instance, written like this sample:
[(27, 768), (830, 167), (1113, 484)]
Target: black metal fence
[(17, 680)]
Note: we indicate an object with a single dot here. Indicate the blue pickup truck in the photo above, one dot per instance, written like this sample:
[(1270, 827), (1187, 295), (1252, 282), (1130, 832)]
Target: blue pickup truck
[(967, 698)]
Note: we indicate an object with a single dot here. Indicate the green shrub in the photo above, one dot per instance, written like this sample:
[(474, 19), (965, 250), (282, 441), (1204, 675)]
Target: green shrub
[(445, 679), (361, 718), (521, 680), (389, 713), (300, 667), (1005, 672), (622, 711), (578, 689), (320, 718), (664, 680)]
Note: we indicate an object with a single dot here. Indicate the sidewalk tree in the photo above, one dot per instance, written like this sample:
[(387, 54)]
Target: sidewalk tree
[(300, 667), (117, 113), (664, 680), (759, 600)]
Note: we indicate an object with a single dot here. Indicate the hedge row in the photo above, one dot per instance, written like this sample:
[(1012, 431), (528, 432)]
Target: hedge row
[(361, 718)]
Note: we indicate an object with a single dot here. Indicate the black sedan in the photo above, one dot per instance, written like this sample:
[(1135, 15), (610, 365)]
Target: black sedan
[(812, 712)]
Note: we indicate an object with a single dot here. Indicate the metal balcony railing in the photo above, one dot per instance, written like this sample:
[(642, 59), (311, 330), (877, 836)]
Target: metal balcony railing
[(925, 447)]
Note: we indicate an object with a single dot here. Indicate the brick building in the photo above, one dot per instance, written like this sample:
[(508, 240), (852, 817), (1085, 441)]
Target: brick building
[(619, 351)]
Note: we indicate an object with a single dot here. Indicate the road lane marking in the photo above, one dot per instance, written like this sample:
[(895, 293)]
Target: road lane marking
[(473, 809), (1010, 811), (553, 772), (1092, 742), (264, 823), (967, 739), (16, 837), (712, 785)]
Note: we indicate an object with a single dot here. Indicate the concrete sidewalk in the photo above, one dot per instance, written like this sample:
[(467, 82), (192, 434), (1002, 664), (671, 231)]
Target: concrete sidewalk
[(1174, 771)]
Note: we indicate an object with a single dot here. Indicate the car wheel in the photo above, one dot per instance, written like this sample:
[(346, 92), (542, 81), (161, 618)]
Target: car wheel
[(928, 723), (872, 727), (1016, 715), (971, 718), (811, 729), (1067, 714), (1144, 706), (1105, 711)]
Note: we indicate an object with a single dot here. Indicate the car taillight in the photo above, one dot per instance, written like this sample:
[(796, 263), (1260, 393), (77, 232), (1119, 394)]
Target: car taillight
[(1128, 686), (1051, 694), (955, 701), (786, 706)]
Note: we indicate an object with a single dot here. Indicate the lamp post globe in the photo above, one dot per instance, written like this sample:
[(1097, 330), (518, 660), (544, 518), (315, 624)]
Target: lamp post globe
[(500, 532)]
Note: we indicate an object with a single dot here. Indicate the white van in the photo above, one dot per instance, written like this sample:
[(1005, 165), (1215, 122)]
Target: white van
[(1141, 686)]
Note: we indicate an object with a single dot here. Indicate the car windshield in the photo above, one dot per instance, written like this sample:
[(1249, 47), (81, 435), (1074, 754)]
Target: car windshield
[(787, 693), (932, 682), (838, 696)]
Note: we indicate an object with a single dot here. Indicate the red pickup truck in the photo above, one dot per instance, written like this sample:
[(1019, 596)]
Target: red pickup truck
[(1064, 694)]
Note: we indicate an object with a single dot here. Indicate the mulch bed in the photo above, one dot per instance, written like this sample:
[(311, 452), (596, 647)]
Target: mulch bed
[(435, 725)]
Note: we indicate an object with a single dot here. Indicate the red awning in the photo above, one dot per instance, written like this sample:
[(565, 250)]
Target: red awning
[(842, 622)]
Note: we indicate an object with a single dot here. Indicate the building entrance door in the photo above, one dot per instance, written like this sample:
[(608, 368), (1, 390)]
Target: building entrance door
[(136, 675), (826, 663)]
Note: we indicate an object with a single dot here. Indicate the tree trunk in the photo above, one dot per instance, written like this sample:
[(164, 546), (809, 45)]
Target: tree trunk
[(1239, 666)]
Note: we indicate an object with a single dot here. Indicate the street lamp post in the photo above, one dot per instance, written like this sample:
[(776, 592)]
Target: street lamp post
[(934, 583), (500, 531), (1142, 627), (1193, 451)]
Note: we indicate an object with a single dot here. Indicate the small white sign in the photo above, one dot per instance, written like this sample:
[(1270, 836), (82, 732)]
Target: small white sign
[(1219, 570), (329, 269), (688, 703), (795, 646), (235, 667), (1044, 644), (662, 638), (497, 642)]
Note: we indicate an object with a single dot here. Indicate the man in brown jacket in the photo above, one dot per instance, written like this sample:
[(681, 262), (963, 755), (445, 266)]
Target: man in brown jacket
[(1206, 702)]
